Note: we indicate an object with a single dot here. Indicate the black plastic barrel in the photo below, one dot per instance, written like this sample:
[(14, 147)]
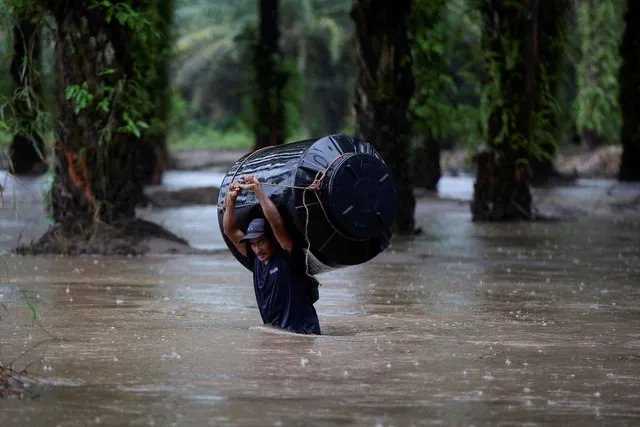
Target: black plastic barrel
[(358, 194)]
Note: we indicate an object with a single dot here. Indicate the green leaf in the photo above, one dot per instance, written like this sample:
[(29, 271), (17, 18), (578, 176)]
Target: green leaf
[(103, 105), (31, 306)]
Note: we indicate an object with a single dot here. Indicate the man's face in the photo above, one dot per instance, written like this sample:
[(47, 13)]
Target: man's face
[(263, 248)]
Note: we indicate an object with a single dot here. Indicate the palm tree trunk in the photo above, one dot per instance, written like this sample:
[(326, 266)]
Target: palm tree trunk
[(151, 150), (630, 96), (270, 123), (501, 190), (92, 181), (384, 86), (426, 164), (551, 47), (26, 152)]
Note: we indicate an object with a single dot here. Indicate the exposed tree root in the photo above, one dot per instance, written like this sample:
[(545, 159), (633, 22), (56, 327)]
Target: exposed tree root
[(132, 238)]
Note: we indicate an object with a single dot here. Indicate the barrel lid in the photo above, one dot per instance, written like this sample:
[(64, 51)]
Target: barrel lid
[(362, 196)]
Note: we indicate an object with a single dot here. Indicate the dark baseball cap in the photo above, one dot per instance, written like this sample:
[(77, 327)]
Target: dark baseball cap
[(255, 229)]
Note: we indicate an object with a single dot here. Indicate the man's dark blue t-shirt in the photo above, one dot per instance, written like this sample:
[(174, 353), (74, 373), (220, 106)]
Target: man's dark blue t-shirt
[(282, 291)]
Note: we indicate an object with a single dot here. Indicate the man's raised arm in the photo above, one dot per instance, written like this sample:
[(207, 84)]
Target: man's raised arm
[(270, 212), (229, 221)]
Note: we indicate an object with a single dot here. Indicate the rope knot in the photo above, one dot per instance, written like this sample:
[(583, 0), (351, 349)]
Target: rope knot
[(314, 186)]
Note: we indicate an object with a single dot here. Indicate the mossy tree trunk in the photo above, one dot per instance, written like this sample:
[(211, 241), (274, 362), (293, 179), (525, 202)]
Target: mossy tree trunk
[(630, 95), (384, 86), (27, 152), (151, 150), (92, 180), (269, 121), (431, 106), (501, 190), (553, 18)]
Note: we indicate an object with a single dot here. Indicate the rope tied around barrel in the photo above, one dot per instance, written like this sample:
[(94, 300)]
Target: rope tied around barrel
[(315, 187)]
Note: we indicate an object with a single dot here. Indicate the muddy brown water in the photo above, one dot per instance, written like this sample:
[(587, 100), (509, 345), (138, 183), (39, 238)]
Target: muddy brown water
[(468, 324)]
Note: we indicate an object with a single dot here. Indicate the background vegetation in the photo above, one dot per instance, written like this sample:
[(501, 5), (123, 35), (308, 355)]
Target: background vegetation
[(513, 81), (212, 74)]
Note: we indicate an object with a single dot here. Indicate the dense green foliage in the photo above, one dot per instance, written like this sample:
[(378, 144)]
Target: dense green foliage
[(133, 90), (446, 51), (600, 25), (432, 105), (23, 110), (212, 74), (215, 75)]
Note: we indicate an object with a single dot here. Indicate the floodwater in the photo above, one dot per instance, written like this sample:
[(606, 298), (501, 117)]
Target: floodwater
[(466, 324)]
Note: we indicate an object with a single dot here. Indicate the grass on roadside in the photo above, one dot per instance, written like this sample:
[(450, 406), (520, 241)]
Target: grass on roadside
[(191, 137), (210, 138)]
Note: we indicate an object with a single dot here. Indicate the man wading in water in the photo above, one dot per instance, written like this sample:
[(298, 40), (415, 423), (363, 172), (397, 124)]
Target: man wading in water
[(283, 289)]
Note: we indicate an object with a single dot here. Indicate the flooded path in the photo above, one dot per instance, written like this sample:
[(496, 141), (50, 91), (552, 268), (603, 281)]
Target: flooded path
[(467, 324)]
